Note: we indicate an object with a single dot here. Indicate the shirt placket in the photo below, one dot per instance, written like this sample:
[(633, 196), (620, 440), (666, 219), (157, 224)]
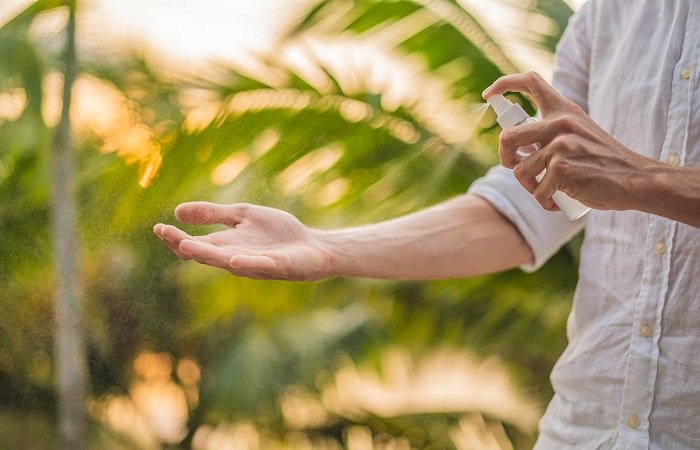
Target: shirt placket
[(642, 362)]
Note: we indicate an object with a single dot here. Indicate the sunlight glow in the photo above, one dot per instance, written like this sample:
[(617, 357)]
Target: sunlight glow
[(360, 438), (294, 178), (228, 170), (237, 436), (185, 31), (301, 409), (101, 110), (446, 381), (10, 8), (265, 142), (155, 410), (51, 102), (329, 193), (12, 103), (473, 432), (364, 64), (201, 107), (259, 99)]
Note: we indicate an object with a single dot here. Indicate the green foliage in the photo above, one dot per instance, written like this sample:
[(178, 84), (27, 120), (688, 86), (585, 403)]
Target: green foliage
[(255, 339)]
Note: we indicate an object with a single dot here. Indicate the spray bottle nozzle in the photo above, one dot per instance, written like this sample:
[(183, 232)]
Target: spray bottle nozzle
[(499, 103), (508, 113)]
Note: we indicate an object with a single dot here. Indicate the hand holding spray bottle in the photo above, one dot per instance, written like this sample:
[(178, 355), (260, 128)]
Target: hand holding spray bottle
[(510, 115)]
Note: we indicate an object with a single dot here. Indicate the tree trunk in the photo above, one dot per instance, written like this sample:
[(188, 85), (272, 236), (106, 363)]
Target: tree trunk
[(69, 342)]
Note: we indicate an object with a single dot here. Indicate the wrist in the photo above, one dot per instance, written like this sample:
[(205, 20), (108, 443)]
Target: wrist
[(650, 185), (335, 261)]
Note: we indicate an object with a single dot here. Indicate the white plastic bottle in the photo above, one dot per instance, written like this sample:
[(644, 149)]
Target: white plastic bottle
[(510, 115)]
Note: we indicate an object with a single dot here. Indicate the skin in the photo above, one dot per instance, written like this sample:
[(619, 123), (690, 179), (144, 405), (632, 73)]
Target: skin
[(587, 163), (461, 237)]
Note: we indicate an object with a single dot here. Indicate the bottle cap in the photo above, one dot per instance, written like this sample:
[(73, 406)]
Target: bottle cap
[(499, 103), (508, 113)]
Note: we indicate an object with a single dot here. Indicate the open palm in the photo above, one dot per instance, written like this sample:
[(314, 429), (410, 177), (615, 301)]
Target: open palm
[(261, 243)]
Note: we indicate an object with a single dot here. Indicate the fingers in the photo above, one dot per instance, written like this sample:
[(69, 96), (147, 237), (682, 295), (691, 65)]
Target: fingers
[(199, 249), (531, 169), (541, 133), (544, 95), (254, 267), (203, 213), (529, 183), (170, 238), (544, 191), (173, 234), (532, 173), (205, 253), (254, 262)]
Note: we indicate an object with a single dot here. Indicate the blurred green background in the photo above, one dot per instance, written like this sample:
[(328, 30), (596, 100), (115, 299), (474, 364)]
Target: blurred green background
[(341, 112)]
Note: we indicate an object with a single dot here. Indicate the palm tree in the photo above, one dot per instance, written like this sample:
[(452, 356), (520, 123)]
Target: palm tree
[(68, 332), (69, 342)]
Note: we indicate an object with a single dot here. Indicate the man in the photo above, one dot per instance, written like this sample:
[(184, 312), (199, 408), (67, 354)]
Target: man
[(618, 136)]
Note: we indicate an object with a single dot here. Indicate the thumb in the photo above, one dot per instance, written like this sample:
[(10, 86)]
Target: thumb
[(204, 213)]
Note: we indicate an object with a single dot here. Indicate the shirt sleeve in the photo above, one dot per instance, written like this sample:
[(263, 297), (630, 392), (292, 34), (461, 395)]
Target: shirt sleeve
[(572, 59), (545, 231)]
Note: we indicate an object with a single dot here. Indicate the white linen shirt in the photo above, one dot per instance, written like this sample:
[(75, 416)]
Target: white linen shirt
[(630, 376)]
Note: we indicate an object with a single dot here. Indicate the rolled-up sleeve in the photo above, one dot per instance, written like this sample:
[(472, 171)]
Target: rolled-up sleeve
[(545, 231)]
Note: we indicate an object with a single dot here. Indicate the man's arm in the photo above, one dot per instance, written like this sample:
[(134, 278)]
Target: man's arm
[(460, 237), (587, 163), (668, 191)]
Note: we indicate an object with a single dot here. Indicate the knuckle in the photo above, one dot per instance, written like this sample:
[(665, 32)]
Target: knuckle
[(576, 108), (242, 209), (520, 173), (540, 196), (534, 76), (562, 143), (565, 123), (506, 159), (558, 168), (506, 137)]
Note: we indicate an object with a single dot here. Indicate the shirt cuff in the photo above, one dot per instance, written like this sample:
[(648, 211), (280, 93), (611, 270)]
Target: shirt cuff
[(544, 231)]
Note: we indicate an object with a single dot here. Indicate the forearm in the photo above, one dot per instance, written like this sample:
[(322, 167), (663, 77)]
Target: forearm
[(669, 191), (461, 237)]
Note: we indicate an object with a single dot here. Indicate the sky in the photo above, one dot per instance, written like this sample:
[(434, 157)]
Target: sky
[(195, 31)]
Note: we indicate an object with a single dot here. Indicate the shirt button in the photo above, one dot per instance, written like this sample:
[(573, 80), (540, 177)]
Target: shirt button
[(685, 73), (660, 248), (633, 422), (645, 330), (673, 159)]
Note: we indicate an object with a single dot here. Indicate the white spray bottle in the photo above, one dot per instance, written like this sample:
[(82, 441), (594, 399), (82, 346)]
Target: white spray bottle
[(510, 115)]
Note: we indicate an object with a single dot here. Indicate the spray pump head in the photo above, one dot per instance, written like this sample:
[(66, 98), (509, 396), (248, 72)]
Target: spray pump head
[(499, 103), (508, 114)]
